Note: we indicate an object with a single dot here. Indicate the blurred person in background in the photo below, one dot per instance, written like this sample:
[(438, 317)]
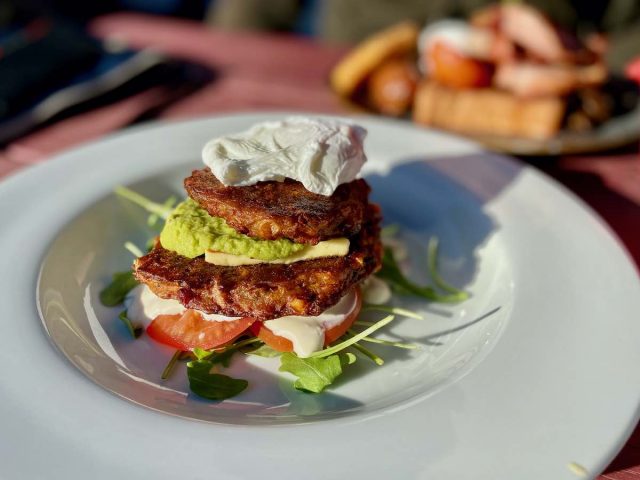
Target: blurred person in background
[(349, 21)]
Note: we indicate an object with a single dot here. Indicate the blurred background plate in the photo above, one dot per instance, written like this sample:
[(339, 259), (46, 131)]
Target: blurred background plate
[(617, 132)]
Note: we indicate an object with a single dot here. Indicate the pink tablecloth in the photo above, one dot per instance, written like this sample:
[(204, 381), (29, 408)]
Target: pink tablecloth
[(289, 73)]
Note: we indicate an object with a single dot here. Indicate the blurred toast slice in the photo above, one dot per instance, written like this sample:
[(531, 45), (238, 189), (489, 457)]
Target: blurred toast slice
[(487, 111)]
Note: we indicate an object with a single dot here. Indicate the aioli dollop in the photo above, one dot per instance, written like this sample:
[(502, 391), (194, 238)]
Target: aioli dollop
[(375, 291), (307, 333), (143, 306), (319, 153)]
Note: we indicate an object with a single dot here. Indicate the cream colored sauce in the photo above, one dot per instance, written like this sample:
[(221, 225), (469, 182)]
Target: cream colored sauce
[(143, 306), (375, 291), (307, 333)]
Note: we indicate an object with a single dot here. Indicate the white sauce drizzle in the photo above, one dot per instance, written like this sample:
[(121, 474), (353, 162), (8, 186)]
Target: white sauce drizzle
[(375, 291), (143, 306), (307, 333)]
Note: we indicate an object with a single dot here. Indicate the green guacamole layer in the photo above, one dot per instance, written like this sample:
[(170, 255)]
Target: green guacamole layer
[(190, 230)]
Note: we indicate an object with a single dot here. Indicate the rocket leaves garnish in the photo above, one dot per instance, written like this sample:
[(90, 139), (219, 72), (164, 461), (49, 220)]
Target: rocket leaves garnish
[(201, 354), (432, 264), (264, 351), (389, 230), (172, 363), (159, 209), (406, 346), (351, 340), (391, 272), (315, 374), (121, 284), (134, 330), (133, 249), (153, 221), (369, 354), (212, 386), (401, 312), (223, 355)]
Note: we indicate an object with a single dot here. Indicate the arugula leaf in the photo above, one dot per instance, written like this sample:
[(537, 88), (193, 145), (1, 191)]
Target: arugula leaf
[(351, 340), (150, 244), (389, 230), (133, 248), (153, 221), (172, 363), (406, 346), (432, 264), (121, 284), (223, 357), (315, 374), (391, 272), (369, 354), (212, 386), (134, 330), (158, 209), (213, 356), (402, 312), (202, 354), (264, 351)]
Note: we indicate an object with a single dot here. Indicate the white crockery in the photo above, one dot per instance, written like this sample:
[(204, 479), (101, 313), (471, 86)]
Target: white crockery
[(548, 379)]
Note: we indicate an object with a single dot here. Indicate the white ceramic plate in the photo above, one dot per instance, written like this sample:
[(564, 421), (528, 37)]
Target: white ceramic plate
[(548, 380)]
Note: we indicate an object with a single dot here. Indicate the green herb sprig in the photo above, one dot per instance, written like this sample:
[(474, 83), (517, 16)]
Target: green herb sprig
[(159, 209), (134, 330), (315, 373), (391, 272), (212, 386), (264, 351), (432, 264), (356, 338), (133, 249), (121, 284), (369, 354)]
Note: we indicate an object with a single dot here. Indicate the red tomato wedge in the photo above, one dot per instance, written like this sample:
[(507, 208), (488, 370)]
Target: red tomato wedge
[(283, 345), (632, 70), (453, 69), (190, 330)]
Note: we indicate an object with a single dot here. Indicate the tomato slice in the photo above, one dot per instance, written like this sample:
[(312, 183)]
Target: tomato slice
[(284, 345), (190, 330), (453, 69), (632, 70)]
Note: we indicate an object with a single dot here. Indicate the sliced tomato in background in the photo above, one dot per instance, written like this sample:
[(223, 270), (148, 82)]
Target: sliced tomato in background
[(453, 69), (283, 345), (632, 70), (190, 330)]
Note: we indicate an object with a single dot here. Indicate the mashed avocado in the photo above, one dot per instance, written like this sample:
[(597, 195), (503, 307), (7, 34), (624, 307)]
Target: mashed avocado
[(190, 230)]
